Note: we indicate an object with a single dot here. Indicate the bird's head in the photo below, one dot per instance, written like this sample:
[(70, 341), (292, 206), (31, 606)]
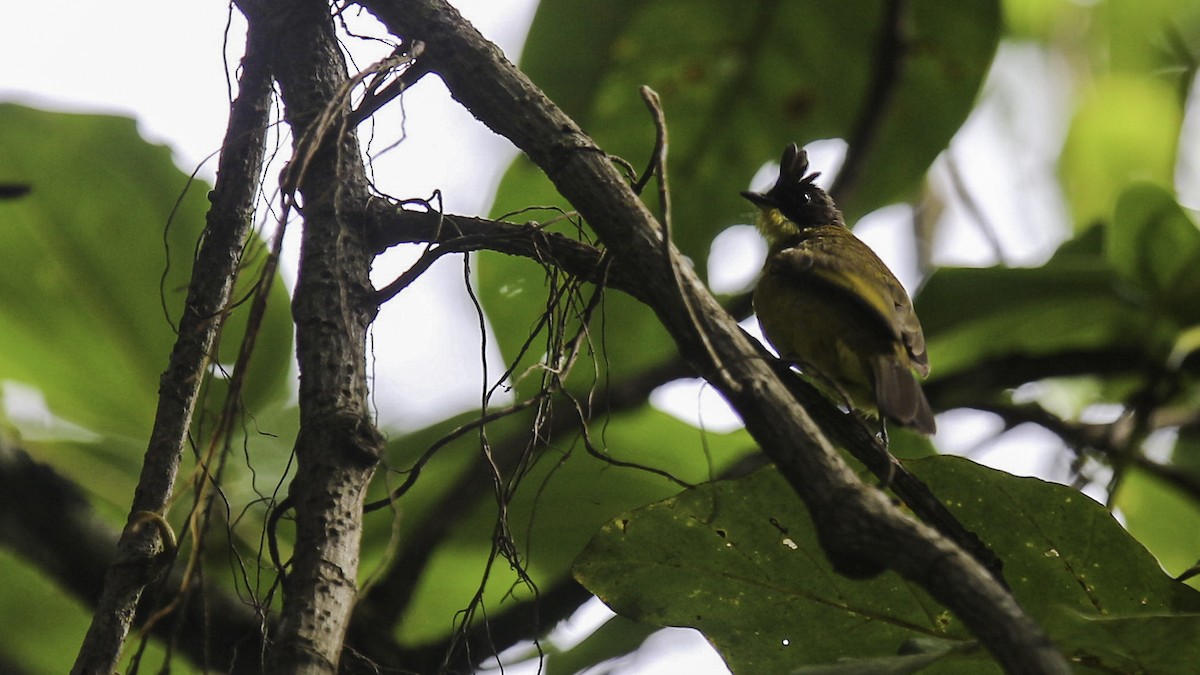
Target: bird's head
[(794, 202)]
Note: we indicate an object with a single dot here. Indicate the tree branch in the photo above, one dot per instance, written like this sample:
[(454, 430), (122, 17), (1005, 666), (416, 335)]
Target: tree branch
[(1096, 437), (860, 530), (338, 445), (213, 274), (392, 225), (890, 56), (47, 520), (384, 605)]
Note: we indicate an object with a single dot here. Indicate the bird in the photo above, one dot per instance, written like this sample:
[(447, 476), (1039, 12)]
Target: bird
[(830, 307)]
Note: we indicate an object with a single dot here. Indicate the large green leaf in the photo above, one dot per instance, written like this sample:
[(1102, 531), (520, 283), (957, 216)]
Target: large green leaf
[(739, 561), (566, 494), (1126, 128), (738, 81), (1153, 243), (81, 260), (971, 315)]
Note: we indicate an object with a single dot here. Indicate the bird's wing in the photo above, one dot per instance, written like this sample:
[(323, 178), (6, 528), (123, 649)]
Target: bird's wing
[(910, 327), (814, 260)]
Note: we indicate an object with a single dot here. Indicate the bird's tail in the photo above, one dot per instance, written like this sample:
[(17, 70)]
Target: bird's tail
[(899, 397)]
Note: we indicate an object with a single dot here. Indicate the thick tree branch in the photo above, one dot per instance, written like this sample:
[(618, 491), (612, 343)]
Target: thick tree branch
[(229, 221), (860, 530), (338, 446), (47, 520), (392, 225)]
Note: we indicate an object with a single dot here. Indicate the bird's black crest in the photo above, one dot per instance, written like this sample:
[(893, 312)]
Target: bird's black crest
[(796, 194), (793, 169)]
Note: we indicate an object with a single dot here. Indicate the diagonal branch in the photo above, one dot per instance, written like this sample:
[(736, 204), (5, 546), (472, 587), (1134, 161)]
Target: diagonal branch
[(891, 54), (860, 530), (229, 221), (48, 521)]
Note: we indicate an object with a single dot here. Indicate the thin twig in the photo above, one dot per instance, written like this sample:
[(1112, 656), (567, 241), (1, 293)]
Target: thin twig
[(985, 225), (891, 56)]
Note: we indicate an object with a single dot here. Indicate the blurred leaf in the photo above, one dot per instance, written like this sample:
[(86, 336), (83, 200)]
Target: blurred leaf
[(1186, 453), (81, 260), (107, 468), (1125, 129), (1162, 517), (739, 561), (625, 336), (1042, 19), (566, 495), (1137, 37), (738, 82), (43, 626), (1153, 243), (46, 638), (561, 53), (1131, 282), (971, 315)]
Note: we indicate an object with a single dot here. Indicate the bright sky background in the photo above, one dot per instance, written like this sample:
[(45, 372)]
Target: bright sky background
[(165, 63)]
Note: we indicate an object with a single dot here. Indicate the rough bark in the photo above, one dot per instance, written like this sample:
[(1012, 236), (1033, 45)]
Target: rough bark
[(338, 446), (215, 269)]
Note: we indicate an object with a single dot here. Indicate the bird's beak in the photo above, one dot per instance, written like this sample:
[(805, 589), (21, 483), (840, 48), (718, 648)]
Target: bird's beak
[(759, 199)]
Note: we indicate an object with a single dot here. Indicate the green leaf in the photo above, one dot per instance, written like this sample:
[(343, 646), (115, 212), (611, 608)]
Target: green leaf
[(1129, 283), (565, 495), (739, 81), (739, 561), (1133, 644), (971, 315), (81, 261), (926, 655), (1143, 37), (1127, 128), (45, 638), (560, 55), (1153, 243), (1161, 516), (625, 336)]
